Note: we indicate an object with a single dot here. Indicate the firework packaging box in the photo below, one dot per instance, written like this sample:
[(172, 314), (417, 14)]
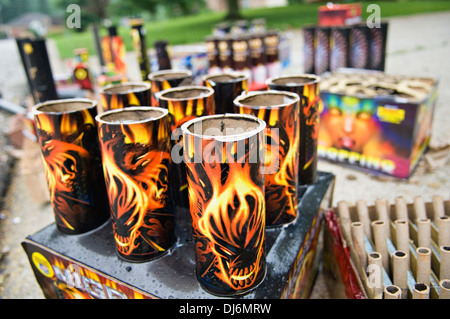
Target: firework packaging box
[(227, 87), (68, 138), (374, 121), (167, 79), (224, 156), (86, 266), (354, 259), (307, 88), (122, 95), (135, 146), (339, 14), (281, 111)]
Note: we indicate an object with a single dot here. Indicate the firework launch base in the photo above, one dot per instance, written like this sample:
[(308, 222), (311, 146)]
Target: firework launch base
[(87, 266)]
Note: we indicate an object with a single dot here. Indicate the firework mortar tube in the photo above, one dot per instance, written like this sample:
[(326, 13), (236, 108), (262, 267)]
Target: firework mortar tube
[(67, 136), (138, 34), (184, 103), (224, 157), (167, 79), (227, 87), (122, 95), (280, 110), (307, 88), (135, 144)]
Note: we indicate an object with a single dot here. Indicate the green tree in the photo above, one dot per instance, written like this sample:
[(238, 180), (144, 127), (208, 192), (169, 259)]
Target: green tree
[(233, 12)]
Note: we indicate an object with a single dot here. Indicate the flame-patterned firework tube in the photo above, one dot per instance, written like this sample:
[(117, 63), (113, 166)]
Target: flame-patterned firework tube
[(135, 146), (68, 138), (307, 87), (224, 155), (167, 79), (280, 110), (227, 86), (122, 95), (184, 103)]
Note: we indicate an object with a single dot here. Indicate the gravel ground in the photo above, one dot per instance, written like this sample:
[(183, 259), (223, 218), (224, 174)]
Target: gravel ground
[(417, 45)]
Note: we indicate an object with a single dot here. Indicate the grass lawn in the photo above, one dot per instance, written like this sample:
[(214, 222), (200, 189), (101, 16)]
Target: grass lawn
[(193, 29)]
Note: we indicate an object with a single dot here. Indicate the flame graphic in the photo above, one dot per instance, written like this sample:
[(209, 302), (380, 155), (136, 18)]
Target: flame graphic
[(281, 160), (311, 116), (65, 160), (227, 205), (110, 101), (136, 175)]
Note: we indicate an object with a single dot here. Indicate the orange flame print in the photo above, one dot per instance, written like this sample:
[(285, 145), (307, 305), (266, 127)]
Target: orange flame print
[(136, 168), (227, 206), (69, 144)]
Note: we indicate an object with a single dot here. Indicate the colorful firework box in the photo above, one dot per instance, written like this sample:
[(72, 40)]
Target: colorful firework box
[(334, 14), (87, 266), (345, 279), (374, 121), (328, 48)]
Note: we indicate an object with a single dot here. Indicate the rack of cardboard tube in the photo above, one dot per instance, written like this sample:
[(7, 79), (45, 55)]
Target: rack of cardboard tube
[(397, 250)]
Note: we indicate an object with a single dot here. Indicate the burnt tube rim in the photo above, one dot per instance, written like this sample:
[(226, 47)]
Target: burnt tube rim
[(143, 86), (314, 79), (89, 105), (236, 77), (160, 95), (165, 113), (227, 138), (155, 74), (239, 101)]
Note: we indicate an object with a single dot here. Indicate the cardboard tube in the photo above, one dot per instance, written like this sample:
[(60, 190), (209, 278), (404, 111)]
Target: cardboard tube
[(423, 232), (423, 268), (402, 235), (443, 225), (363, 215), (401, 209), (421, 291), (383, 214), (379, 234), (444, 289), (444, 272), (400, 271), (419, 208), (344, 216), (438, 206), (357, 231), (375, 272), (392, 292)]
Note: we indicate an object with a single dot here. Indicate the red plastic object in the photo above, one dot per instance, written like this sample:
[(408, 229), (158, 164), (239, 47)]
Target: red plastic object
[(342, 254)]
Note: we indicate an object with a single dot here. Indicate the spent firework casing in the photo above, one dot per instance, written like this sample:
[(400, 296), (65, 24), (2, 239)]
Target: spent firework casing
[(280, 110), (227, 205), (122, 95), (135, 145), (67, 136)]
